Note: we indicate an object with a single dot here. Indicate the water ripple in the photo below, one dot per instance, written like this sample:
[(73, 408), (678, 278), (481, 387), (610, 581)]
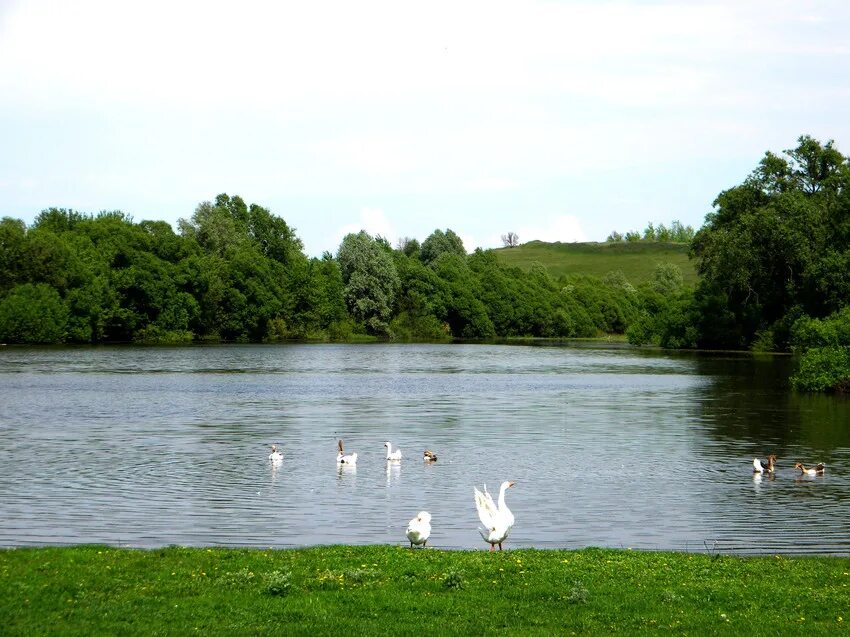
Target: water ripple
[(608, 446)]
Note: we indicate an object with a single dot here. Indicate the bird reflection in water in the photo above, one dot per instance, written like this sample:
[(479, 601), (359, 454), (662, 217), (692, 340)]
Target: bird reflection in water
[(343, 470), (393, 472)]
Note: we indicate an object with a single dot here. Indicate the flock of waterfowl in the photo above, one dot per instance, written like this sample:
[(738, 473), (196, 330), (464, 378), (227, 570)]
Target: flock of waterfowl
[(762, 467), (494, 515)]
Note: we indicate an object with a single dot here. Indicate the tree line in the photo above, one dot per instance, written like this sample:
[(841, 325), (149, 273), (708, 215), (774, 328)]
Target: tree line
[(237, 273), (676, 233)]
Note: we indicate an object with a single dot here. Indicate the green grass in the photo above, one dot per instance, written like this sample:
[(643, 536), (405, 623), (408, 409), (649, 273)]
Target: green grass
[(636, 260), (392, 590)]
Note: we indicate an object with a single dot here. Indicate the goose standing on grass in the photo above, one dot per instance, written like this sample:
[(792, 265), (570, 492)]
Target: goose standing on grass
[(341, 458), (429, 456), (764, 466), (392, 455), (496, 518), (817, 470), (275, 455), (419, 529)]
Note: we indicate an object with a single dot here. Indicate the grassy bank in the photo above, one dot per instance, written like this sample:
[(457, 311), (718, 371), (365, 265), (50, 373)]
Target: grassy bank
[(636, 260), (388, 590)]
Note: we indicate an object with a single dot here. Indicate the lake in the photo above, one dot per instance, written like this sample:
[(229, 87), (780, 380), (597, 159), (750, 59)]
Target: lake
[(608, 445)]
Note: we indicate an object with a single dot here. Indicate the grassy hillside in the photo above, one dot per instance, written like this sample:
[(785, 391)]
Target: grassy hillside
[(636, 260)]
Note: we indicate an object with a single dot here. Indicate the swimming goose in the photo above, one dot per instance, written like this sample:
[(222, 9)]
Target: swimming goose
[(429, 456), (343, 459), (497, 519), (766, 466), (392, 455), (813, 471), (419, 529), (275, 455)]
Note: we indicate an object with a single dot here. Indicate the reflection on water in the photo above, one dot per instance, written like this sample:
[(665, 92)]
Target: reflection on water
[(609, 446)]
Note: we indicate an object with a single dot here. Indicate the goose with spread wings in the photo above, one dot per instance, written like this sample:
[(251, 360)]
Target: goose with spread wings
[(342, 458), (496, 518)]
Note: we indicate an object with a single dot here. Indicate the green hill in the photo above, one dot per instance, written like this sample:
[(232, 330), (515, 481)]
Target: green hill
[(636, 259)]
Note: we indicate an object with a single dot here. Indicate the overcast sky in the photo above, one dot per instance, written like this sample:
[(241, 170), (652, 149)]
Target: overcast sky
[(560, 121)]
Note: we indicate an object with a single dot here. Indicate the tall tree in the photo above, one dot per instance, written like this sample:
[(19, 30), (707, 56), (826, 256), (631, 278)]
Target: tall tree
[(439, 242), (510, 240), (13, 239), (370, 279), (764, 253)]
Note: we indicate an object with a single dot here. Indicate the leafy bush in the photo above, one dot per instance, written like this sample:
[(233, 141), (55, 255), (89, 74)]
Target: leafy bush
[(155, 335), (642, 331), (33, 314), (833, 331), (824, 369), (764, 341), (578, 593), (278, 583), (237, 579), (453, 580), (407, 327)]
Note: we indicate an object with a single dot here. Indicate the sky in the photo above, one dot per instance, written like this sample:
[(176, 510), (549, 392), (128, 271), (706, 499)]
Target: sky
[(559, 121)]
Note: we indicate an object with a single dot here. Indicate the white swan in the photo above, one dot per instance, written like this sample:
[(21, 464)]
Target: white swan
[(343, 459), (275, 455), (419, 529), (497, 519), (392, 455)]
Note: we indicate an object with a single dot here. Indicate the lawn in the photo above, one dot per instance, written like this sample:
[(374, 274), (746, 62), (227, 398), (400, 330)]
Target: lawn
[(383, 590)]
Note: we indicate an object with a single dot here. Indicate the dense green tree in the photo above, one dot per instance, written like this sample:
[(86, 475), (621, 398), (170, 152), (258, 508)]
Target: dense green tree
[(370, 279), (439, 242), (331, 312), (273, 236), (409, 247), (33, 314), (667, 279), (420, 304), (13, 238), (775, 247), (461, 307), (59, 220), (91, 308), (216, 228)]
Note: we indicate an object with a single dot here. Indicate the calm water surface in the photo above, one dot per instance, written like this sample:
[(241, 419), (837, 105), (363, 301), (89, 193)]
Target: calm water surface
[(609, 446)]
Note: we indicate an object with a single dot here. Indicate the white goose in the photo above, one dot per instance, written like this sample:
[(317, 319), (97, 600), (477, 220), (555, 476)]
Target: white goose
[(419, 529), (392, 455), (275, 455), (343, 459), (497, 519), (764, 466)]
